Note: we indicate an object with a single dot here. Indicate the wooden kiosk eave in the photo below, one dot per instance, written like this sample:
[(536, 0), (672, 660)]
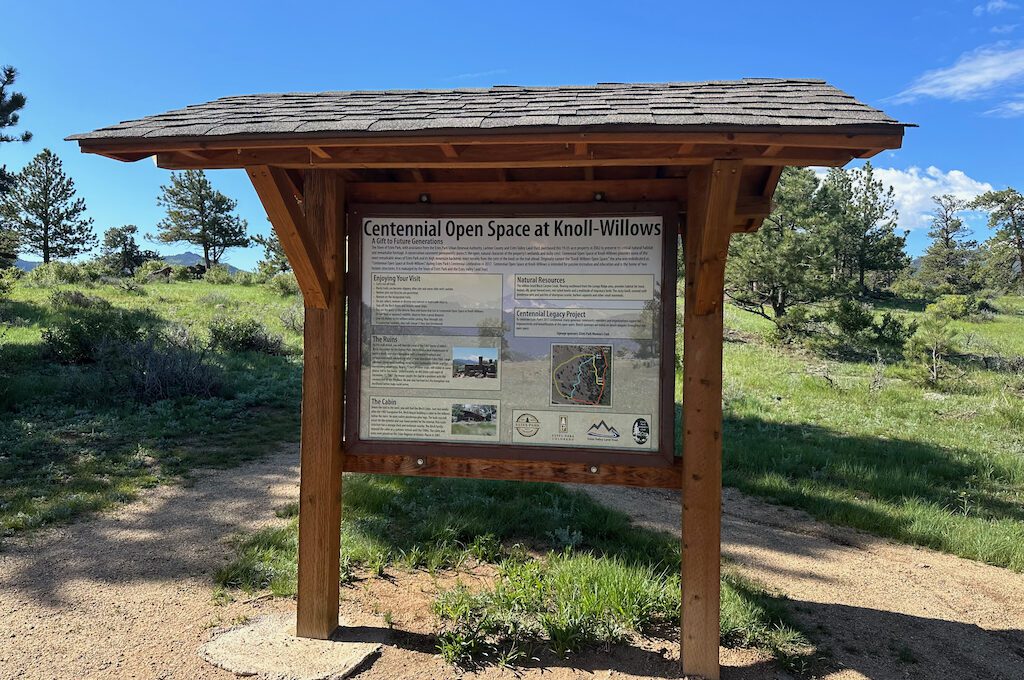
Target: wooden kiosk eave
[(627, 145), (721, 180), (631, 163)]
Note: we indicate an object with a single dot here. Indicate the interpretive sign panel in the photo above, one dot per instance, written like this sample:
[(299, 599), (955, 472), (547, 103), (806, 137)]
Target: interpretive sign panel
[(534, 333)]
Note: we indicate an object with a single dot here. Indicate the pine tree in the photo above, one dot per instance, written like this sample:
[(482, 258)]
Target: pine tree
[(8, 246), (10, 104), (199, 214), (44, 212), (274, 260), (782, 264), (120, 252), (1006, 215), (945, 265), (997, 265), (932, 343), (861, 228)]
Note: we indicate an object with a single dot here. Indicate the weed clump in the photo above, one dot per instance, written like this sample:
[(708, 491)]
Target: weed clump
[(961, 307), (77, 335), (161, 366), (244, 335), (565, 601), (245, 279), (218, 275), (52, 274), (70, 299), (293, 318), (284, 285)]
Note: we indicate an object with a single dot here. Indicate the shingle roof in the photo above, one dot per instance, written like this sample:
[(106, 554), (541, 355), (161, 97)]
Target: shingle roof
[(713, 105)]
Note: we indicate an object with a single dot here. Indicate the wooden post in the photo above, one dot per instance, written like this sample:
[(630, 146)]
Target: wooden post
[(711, 205), (322, 408)]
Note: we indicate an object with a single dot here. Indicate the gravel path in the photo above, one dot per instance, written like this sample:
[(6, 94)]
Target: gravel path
[(128, 594), (883, 609)]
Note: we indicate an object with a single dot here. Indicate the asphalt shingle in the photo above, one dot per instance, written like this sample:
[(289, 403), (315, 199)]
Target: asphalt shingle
[(749, 103)]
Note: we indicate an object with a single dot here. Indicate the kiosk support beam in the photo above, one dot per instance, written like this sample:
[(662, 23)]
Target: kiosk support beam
[(275, 190), (322, 412), (711, 206)]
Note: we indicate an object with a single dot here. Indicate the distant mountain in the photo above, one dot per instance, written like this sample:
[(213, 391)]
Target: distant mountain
[(25, 265), (192, 259)]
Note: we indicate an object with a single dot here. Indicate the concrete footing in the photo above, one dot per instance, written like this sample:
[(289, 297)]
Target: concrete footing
[(267, 648)]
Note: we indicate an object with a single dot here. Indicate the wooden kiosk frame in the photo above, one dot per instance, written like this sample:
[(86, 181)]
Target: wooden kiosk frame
[(718, 174)]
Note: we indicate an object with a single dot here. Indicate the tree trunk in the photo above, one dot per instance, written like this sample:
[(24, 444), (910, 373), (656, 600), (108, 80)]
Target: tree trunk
[(1020, 256), (206, 256), (779, 304)]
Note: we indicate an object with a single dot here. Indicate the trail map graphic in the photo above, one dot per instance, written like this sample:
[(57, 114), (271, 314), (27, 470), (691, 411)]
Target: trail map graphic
[(581, 375)]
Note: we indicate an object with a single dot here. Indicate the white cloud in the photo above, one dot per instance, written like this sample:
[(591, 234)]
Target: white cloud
[(1004, 29), (993, 7), (913, 189), (478, 74), (974, 74), (1009, 109)]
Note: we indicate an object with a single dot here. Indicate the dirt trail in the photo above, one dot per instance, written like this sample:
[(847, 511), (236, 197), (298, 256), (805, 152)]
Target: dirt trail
[(128, 594), (883, 609)]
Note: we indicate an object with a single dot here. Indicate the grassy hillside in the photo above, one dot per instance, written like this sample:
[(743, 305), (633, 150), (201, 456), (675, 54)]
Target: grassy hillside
[(853, 442), (71, 443), (869, 446), (859, 443)]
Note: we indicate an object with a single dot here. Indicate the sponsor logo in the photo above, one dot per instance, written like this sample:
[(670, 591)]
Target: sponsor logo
[(641, 431), (602, 430), (563, 424), (527, 425)]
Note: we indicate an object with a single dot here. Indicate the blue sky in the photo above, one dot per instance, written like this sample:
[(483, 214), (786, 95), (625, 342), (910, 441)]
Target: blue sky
[(473, 353), (956, 68)]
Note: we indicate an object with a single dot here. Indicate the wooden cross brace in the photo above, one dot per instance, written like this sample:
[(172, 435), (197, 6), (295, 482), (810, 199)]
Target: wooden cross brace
[(277, 193)]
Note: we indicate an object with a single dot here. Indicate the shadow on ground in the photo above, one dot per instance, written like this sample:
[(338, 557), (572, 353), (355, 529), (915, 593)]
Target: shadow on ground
[(173, 533), (885, 645), (831, 475)]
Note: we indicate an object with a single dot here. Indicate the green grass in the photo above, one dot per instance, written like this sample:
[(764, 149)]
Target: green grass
[(566, 601), (476, 429), (571, 573), (68, 447), (939, 469), (1003, 334), (851, 444)]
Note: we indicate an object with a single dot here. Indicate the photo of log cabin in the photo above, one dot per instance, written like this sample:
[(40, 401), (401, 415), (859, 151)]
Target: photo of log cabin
[(475, 419)]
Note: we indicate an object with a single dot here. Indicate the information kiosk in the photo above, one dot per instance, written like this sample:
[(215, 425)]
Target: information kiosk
[(506, 260)]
